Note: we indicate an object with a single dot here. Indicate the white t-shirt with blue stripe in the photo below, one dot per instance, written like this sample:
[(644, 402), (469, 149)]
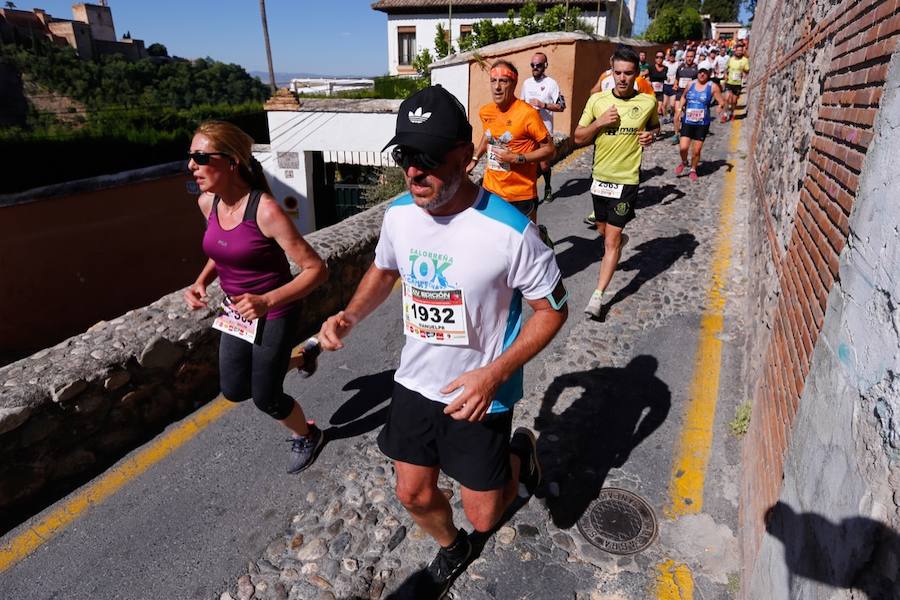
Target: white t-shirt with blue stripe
[(494, 254)]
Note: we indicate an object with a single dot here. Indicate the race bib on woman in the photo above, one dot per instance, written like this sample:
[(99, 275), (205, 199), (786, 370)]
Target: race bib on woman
[(230, 321)]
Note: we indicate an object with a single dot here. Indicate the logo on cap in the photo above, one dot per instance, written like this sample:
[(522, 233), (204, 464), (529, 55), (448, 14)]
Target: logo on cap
[(417, 117)]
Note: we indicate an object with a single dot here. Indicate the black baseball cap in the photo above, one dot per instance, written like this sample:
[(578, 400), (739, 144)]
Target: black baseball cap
[(431, 121)]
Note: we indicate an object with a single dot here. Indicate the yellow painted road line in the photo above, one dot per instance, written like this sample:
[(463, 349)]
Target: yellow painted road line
[(675, 581), (109, 483), (695, 442)]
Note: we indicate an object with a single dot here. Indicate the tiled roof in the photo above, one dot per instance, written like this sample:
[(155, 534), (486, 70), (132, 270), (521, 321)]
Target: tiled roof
[(440, 6)]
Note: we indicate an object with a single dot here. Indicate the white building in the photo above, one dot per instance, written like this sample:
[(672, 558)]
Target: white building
[(412, 24)]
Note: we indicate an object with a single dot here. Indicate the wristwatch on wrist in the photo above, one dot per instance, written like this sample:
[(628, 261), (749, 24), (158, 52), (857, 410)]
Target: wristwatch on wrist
[(520, 158), (476, 158)]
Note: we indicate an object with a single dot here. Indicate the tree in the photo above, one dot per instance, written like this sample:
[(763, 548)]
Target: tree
[(441, 42), (690, 24), (422, 62), (655, 7), (10, 5), (720, 11), (665, 27), (157, 50), (555, 18)]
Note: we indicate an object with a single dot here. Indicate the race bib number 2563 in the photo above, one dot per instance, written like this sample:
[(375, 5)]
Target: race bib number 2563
[(607, 190), (435, 316)]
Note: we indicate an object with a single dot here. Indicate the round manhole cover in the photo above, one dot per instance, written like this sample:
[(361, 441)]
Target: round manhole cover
[(619, 522)]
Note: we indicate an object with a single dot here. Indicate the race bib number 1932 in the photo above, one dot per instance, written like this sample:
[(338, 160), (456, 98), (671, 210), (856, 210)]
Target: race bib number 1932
[(435, 316)]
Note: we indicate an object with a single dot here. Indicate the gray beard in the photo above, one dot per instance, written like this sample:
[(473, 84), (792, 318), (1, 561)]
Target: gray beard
[(446, 194)]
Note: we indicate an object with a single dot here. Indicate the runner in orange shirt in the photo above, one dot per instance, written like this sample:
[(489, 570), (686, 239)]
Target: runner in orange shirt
[(606, 83), (515, 140)]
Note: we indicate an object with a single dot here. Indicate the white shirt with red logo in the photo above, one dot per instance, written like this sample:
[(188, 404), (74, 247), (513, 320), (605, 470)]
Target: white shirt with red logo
[(547, 91)]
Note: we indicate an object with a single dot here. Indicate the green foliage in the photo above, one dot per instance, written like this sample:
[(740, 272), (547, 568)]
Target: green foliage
[(675, 24), (720, 11), (441, 44), (157, 50), (112, 80), (734, 583), (399, 87), (385, 183), (690, 24), (655, 7), (741, 422), (422, 62), (527, 22)]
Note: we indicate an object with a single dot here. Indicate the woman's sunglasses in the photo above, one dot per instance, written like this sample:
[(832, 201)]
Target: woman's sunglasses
[(202, 158), (406, 157)]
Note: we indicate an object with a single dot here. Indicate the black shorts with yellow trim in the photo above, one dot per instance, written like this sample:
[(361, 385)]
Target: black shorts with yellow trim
[(616, 211)]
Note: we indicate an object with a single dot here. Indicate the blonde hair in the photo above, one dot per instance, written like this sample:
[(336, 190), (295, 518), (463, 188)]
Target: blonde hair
[(231, 139)]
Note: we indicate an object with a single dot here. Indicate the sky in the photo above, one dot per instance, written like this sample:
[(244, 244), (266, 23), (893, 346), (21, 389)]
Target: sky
[(327, 37), (333, 37)]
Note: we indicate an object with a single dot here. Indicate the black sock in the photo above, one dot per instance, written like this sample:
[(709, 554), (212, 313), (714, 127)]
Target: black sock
[(458, 547)]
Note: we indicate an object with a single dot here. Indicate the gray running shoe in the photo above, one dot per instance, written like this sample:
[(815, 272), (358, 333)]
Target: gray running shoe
[(311, 351), (304, 450), (524, 446), (595, 304), (548, 194), (590, 220)]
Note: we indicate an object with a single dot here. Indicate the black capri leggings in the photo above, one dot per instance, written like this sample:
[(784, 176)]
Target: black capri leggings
[(257, 370)]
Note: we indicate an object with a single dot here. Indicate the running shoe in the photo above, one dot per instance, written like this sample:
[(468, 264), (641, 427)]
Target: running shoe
[(694, 176), (548, 195), (446, 567), (590, 220), (595, 304), (674, 139), (305, 449), (679, 170), (524, 446), (724, 117)]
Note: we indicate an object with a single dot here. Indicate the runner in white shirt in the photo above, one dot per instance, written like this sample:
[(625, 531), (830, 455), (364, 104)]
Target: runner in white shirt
[(542, 92), (465, 259), (668, 108)]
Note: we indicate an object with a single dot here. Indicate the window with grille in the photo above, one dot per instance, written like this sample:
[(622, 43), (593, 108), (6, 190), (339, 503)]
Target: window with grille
[(406, 45)]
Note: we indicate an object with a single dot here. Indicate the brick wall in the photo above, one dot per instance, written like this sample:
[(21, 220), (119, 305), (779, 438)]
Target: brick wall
[(818, 71)]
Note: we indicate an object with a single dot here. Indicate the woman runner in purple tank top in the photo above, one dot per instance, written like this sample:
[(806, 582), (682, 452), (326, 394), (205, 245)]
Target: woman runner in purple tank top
[(248, 241)]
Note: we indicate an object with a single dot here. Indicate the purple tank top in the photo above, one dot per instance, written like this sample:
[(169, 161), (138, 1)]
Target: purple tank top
[(247, 261)]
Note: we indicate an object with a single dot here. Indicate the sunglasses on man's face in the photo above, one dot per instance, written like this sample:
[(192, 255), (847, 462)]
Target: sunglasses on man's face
[(660, 56), (538, 65), (202, 158), (407, 157)]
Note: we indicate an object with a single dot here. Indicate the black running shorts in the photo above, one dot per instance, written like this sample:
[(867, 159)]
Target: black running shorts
[(616, 211), (734, 88), (693, 131), (668, 89), (418, 432)]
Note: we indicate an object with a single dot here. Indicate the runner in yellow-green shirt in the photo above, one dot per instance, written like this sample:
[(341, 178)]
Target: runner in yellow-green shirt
[(735, 72), (620, 122)]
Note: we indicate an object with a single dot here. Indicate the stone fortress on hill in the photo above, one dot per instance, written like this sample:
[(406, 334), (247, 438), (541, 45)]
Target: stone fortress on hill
[(91, 31)]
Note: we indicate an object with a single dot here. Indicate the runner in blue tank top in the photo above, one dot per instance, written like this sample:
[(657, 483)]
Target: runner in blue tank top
[(696, 119)]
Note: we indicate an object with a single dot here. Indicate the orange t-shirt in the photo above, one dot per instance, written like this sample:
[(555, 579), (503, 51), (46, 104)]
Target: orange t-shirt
[(640, 84), (519, 130)]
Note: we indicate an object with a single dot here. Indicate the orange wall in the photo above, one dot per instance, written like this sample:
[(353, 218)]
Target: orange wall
[(575, 65), (67, 262)]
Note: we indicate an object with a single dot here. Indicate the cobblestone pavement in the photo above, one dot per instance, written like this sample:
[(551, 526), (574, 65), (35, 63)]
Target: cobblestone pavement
[(606, 403)]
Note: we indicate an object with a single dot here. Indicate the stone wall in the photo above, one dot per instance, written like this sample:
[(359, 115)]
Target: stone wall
[(817, 495), (69, 411)]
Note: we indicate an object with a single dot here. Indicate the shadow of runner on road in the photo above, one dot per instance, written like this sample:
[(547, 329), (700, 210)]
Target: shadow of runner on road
[(651, 195), (348, 420), (856, 553), (597, 431), (708, 167), (647, 174), (581, 254), (653, 257), (573, 187)]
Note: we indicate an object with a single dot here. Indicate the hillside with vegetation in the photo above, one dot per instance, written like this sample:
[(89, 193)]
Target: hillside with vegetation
[(109, 115)]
